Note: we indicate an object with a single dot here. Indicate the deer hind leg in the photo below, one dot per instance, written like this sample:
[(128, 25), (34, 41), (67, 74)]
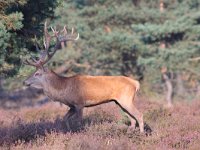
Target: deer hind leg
[(133, 121), (133, 114)]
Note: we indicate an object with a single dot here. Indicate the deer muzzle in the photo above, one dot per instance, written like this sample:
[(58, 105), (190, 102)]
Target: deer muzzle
[(26, 83)]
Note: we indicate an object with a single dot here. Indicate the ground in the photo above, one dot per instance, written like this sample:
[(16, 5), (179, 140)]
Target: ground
[(104, 127)]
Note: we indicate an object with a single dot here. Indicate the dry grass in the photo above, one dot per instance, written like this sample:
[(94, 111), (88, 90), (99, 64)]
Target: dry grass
[(103, 128)]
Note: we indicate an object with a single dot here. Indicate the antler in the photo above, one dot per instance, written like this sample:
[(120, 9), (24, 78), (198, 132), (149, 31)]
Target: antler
[(45, 55)]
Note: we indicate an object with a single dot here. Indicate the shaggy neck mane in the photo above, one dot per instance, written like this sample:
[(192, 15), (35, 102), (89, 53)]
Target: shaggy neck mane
[(57, 82)]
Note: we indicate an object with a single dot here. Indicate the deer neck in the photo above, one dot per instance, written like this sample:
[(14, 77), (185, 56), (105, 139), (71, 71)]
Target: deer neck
[(54, 86)]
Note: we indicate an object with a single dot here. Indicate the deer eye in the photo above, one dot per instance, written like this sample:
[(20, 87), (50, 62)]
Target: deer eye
[(37, 74)]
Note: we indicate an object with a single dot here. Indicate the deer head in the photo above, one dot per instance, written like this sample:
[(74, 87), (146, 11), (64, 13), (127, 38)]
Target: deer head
[(39, 77)]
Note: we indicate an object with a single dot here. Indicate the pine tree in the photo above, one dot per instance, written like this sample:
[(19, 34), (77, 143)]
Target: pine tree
[(171, 41), (20, 21), (138, 37)]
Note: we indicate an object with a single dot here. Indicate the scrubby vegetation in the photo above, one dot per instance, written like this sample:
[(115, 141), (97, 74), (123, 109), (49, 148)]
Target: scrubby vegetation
[(103, 128)]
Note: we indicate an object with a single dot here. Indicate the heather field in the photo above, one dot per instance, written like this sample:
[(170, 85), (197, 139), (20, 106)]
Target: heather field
[(156, 42), (104, 127)]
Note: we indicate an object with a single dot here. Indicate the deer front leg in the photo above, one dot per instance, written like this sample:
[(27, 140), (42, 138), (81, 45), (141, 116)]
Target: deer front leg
[(75, 114), (69, 114), (77, 118), (79, 112)]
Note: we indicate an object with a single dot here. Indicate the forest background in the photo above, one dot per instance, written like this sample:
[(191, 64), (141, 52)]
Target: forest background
[(156, 42)]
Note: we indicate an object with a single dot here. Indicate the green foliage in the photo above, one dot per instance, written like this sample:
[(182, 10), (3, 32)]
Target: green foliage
[(106, 39), (116, 37), (178, 32), (4, 36), (18, 25), (126, 37)]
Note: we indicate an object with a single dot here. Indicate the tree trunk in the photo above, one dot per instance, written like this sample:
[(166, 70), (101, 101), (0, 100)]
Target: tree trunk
[(180, 87), (169, 92), (197, 96), (161, 6), (2, 94), (1, 85)]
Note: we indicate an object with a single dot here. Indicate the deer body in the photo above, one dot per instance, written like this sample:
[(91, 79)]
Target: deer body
[(87, 90), (82, 90)]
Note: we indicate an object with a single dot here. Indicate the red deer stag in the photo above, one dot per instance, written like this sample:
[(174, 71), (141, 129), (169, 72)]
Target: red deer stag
[(81, 91)]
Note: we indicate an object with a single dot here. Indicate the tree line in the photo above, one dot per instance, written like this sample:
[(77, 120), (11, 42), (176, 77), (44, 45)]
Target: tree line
[(155, 41)]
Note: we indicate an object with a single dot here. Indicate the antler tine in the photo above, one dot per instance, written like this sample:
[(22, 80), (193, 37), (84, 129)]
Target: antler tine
[(45, 55), (36, 44), (48, 37), (47, 40), (26, 62), (64, 31), (60, 39), (67, 37), (77, 37), (55, 32), (45, 45), (72, 32), (49, 55), (33, 59), (72, 39), (42, 53), (37, 48), (46, 34)]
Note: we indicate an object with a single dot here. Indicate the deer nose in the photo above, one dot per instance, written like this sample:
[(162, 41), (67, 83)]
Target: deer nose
[(25, 83)]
